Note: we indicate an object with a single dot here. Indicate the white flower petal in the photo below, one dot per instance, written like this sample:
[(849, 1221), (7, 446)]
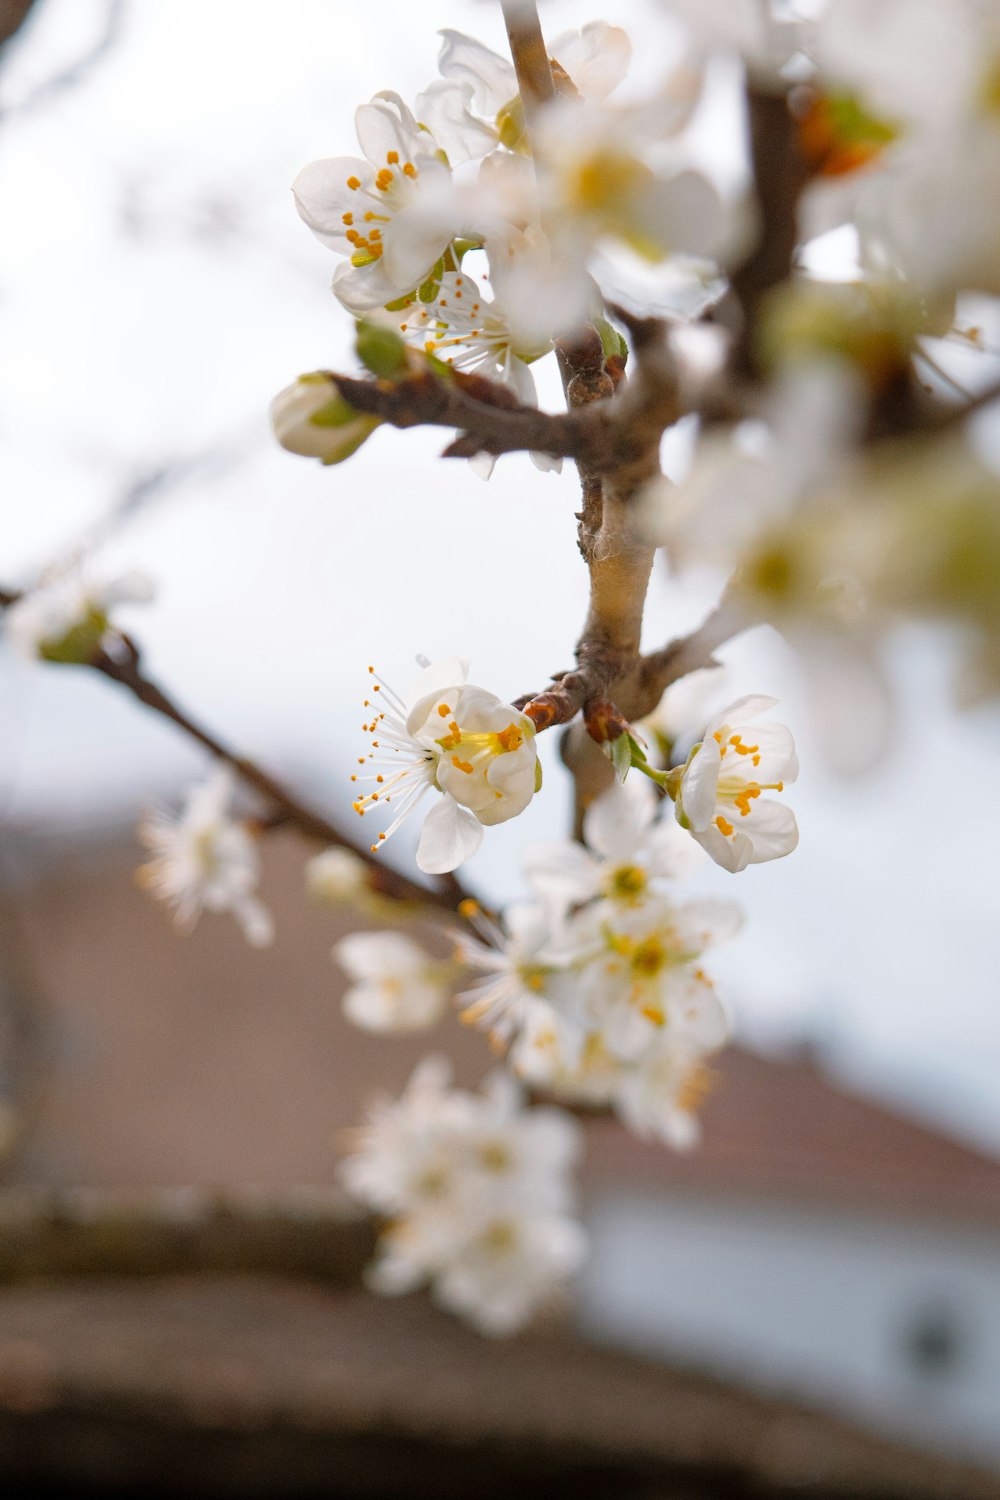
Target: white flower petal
[(699, 785), (773, 830), (596, 57), (562, 872), (450, 835), (491, 77), (381, 131), (618, 821), (733, 853), (444, 109), (322, 196)]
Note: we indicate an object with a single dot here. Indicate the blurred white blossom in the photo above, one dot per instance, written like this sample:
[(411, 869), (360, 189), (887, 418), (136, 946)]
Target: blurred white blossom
[(67, 615), (205, 860), (479, 1194), (397, 986)]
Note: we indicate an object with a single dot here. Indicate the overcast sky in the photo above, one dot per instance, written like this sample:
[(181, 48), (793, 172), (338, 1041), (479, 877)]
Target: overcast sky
[(156, 289)]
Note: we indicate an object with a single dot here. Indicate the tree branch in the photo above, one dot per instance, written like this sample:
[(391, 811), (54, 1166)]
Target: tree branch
[(780, 172), (528, 50), (122, 664)]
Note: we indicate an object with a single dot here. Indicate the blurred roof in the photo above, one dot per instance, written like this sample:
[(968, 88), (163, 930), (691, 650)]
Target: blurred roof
[(224, 1386), (783, 1126)]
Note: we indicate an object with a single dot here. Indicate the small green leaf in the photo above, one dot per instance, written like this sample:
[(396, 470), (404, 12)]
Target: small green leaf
[(627, 753), (620, 754)]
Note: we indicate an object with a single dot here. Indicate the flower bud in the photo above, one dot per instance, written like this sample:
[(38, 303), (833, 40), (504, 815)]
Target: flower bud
[(336, 875), (312, 418)]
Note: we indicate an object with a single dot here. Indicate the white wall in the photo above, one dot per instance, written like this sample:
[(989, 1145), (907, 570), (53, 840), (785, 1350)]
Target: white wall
[(809, 1304)]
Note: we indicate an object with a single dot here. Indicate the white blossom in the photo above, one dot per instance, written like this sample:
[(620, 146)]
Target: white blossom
[(397, 986), (719, 792), (393, 214), (66, 616), (922, 64), (512, 1268), (479, 1192), (475, 750), (642, 980), (627, 849), (205, 860), (470, 331), (600, 175), (520, 976), (661, 1094)]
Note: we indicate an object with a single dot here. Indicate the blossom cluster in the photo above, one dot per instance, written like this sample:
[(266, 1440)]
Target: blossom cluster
[(477, 1193), (452, 183), (598, 987)]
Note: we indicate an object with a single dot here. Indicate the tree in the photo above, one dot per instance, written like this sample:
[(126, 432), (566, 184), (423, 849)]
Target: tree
[(841, 491)]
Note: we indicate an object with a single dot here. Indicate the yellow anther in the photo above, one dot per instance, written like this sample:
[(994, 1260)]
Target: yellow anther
[(354, 183), (462, 765), (510, 738), (468, 908), (744, 798), (723, 826), (409, 170), (384, 180), (443, 710), (652, 1014), (352, 236), (347, 218), (392, 157)]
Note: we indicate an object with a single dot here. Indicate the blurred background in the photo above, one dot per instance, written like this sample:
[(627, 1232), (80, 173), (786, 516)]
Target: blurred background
[(835, 1239)]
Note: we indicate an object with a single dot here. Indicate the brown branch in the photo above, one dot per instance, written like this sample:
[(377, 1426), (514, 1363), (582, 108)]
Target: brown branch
[(498, 425), (13, 14), (122, 664), (780, 173), (531, 59)]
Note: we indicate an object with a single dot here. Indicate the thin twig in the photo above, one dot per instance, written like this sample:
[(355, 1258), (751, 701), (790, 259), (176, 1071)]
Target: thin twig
[(122, 664), (531, 59)]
